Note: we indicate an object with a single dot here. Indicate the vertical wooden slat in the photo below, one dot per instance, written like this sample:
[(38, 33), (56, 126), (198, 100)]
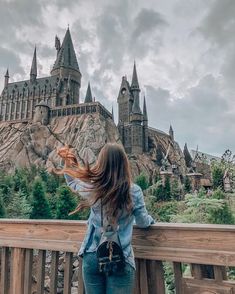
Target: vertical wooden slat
[(17, 271), (155, 274), (137, 277), (81, 289), (220, 273), (4, 287), (160, 284), (196, 271), (54, 272), (41, 271), (178, 277), (143, 277), (68, 272), (28, 271)]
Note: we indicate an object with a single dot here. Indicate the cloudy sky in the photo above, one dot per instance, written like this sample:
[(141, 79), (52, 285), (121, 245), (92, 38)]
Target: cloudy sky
[(184, 51)]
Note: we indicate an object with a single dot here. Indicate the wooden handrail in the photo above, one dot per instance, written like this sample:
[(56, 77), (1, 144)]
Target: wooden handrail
[(193, 244)]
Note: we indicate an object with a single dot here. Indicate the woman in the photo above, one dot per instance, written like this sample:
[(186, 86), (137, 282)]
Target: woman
[(123, 203)]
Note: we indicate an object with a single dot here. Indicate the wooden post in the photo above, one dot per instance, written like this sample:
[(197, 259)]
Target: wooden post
[(41, 271), (178, 277), (4, 287), (54, 272), (17, 271), (68, 272), (28, 271), (143, 277), (81, 289), (155, 275)]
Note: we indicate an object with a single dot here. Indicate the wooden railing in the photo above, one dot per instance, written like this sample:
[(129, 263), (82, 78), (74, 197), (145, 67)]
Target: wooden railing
[(208, 249)]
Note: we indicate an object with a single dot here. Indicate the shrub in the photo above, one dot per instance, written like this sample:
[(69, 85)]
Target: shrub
[(142, 181)]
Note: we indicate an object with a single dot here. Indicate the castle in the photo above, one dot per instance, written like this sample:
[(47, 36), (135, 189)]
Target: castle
[(42, 99)]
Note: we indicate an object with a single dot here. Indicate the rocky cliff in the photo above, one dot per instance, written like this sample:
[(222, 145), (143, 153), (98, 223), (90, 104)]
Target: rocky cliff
[(23, 144)]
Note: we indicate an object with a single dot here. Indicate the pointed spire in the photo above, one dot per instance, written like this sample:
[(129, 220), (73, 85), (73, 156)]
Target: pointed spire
[(187, 156), (112, 114), (66, 56), (33, 71), (7, 74), (171, 132), (6, 78), (88, 98), (134, 83), (145, 115)]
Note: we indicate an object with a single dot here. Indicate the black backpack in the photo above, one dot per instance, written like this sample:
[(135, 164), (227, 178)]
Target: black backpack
[(109, 252)]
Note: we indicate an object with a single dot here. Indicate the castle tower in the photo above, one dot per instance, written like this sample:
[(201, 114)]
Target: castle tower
[(66, 65), (136, 117), (171, 133), (33, 71), (42, 113), (88, 98), (145, 127), (125, 102), (6, 79)]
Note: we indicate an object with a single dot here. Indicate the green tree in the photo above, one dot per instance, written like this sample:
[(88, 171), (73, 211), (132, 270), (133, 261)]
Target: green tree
[(217, 176), (187, 185), (175, 190), (65, 203), (167, 189), (142, 181), (19, 206), (40, 205)]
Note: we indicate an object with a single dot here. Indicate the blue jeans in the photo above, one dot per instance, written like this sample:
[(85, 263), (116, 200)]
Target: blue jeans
[(98, 283)]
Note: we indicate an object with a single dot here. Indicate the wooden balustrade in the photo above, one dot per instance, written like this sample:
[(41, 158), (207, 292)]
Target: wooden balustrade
[(208, 250)]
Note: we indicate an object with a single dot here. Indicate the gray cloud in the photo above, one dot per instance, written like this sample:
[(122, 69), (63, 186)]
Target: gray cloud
[(185, 54), (11, 60)]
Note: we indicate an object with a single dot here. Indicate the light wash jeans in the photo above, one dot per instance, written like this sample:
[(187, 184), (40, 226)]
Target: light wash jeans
[(98, 283)]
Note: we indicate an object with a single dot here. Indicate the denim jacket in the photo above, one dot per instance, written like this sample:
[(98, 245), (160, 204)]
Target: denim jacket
[(138, 216)]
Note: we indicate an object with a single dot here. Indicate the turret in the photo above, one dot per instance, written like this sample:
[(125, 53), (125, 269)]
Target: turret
[(33, 71), (6, 79)]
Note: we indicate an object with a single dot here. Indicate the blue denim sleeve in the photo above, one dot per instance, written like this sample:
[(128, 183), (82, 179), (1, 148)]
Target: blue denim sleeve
[(78, 186), (142, 218)]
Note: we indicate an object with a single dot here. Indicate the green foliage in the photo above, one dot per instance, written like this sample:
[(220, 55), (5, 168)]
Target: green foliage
[(142, 181), (165, 211), (187, 185), (217, 176), (65, 203), (160, 191), (19, 206), (169, 277), (175, 190), (202, 208), (40, 205), (167, 189), (2, 208)]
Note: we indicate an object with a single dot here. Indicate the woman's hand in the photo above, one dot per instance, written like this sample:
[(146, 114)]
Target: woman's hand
[(67, 154)]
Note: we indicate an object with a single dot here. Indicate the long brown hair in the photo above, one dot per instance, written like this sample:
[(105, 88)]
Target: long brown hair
[(110, 179)]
